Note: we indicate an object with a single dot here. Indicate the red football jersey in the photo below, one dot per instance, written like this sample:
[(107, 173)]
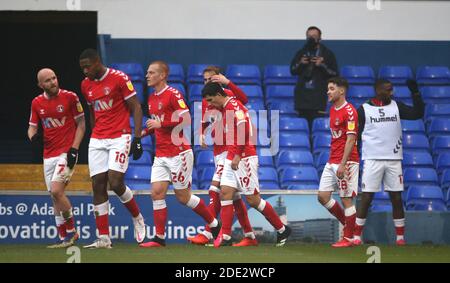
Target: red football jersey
[(161, 106), (343, 121), (107, 97), (57, 115), (209, 116), (244, 146)]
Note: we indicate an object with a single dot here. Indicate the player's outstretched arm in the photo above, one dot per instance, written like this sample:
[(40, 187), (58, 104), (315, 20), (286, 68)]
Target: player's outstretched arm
[(418, 109)]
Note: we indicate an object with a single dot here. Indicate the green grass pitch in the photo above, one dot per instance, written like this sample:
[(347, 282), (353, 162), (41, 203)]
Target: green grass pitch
[(185, 253)]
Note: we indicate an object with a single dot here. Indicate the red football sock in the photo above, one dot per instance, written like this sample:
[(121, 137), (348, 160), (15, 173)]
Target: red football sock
[(202, 210), (102, 223), (359, 226), (338, 212), (271, 215), (132, 207), (242, 215), (226, 215), (62, 230), (350, 218), (160, 216), (70, 225), (214, 202)]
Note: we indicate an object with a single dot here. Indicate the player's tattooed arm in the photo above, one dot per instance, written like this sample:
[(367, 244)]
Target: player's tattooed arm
[(79, 133)]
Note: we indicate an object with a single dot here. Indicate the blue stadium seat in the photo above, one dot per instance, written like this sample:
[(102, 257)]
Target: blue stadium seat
[(321, 142), (280, 92), (298, 176), (402, 94), (297, 125), (381, 202), (146, 159), (244, 74), (176, 73), (133, 70), (433, 75), (439, 127), (415, 142), (252, 91), (204, 159), (413, 126), (265, 161), (358, 74), (395, 74), (139, 88), (440, 145), (442, 162), (147, 143), (294, 141), (445, 179), (278, 74), (420, 176), (195, 92), (436, 111), (298, 187), (139, 173), (286, 108), (417, 159), (436, 94), (292, 158), (360, 93), (255, 105), (195, 73), (320, 125), (205, 177), (425, 198), (269, 177), (321, 160)]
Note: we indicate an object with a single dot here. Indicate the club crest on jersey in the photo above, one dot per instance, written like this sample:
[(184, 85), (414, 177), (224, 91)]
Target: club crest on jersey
[(130, 86), (181, 103), (79, 107), (41, 111), (240, 114), (106, 90), (337, 122), (60, 108), (351, 125)]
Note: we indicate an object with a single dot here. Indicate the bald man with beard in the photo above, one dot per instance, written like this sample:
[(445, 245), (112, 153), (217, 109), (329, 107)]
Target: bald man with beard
[(62, 118)]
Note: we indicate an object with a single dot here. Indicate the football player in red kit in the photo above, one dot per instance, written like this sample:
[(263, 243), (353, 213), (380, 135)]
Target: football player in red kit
[(174, 159), (209, 117), (62, 118), (111, 96), (342, 169)]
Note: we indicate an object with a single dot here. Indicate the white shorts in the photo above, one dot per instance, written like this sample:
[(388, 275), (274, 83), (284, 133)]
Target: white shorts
[(245, 179), (109, 154), (176, 170), (347, 186), (56, 170), (387, 171), (219, 161)]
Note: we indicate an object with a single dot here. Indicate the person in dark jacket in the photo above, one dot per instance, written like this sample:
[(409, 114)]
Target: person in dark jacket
[(314, 64)]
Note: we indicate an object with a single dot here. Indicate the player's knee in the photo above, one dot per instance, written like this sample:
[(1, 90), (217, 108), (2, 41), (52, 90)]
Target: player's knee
[(253, 201), (57, 194), (182, 197), (396, 198)]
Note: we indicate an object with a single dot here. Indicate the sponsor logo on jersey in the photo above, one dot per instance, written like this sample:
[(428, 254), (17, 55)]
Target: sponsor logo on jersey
[(130, 86), (50, 123), (383, 119), (79, 107), (351, 125), (100, 105), (336, 134), (60, 108), (181, 103)]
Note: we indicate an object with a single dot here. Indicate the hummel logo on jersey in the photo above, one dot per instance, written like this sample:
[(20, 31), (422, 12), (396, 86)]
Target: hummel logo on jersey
[(100, 105), (383, 119), (50, 123)]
